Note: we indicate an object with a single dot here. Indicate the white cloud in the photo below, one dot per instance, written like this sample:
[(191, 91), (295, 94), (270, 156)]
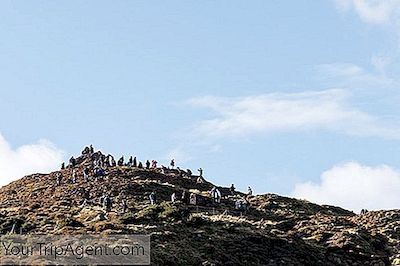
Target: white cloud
[(355, 187), (276, 112), (340, 70), (372, 11), (42, 156), (348, 75)]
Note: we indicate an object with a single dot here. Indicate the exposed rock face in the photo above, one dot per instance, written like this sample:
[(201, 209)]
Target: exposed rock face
[(274, 231)]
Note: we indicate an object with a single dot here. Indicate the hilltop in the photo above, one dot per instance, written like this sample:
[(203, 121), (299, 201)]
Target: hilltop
[(275, 230)]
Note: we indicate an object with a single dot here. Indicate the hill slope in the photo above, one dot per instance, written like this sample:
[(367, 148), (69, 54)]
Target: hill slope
[(274, 231)]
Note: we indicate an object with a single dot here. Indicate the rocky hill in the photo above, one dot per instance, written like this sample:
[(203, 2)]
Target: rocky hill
[(274, 230)]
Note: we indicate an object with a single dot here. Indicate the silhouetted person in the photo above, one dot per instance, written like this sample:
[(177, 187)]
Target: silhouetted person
[(232, 189), (121, 161), (172, 163), (91, 149), (249, 191), (134, 162), (200, 172), (63, 166), (86, 150), (147, 164), (72, 161), (189, 172)]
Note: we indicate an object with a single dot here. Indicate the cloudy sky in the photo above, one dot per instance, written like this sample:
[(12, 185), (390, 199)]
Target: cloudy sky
[(298, 98)]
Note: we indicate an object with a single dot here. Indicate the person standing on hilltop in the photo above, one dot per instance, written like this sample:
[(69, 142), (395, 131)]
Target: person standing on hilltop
[(63, 166), (172, 163), (200, 172), (72, 161), (189, 172), (134, 164), (147, 164), (86, 150), (121, 161), (140, 165), (249, 191), (130, 162), (232, 189), (91, 150)]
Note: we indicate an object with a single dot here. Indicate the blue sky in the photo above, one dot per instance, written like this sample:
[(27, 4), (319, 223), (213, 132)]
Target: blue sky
[(292, 97)]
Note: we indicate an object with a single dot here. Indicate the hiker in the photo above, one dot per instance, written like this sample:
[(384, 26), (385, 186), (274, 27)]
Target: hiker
[(200, 172), (179, 172), (86, 174), (72, 161), (215, 195), (173, 197), (134, 164), (98, 172), (91, 150), (154, 164), (200, 180), (101, 161), (107, 203), (58, 179), (184, 197), (152, 198), (193, 199), (108, 161), (189, 172), (121, 161), (63, 166), (140, 165), (147, 164), (163, 170), (124, 205), (249, 191), (73, 178), (130, 162), (238, 204), (172, 163), (86, 150), (232, 189)]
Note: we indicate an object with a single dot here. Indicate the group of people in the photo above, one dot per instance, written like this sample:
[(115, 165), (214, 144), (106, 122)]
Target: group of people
[(101, 161), (191, 199)]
